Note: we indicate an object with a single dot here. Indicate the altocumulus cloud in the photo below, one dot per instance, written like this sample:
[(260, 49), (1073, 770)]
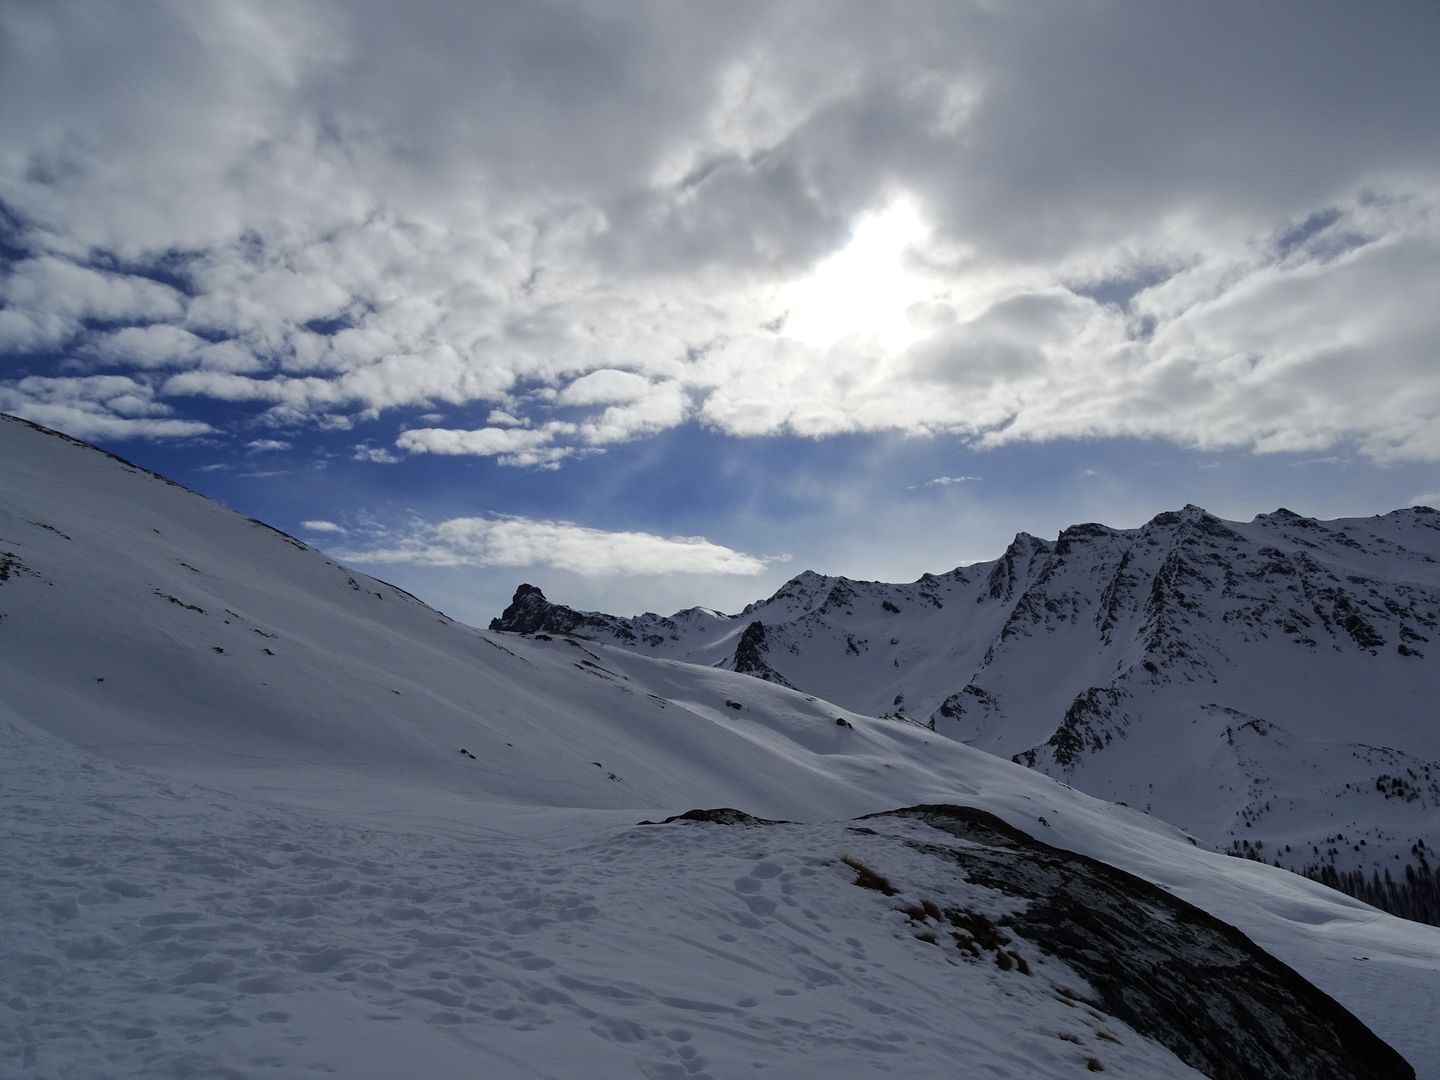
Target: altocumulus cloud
[(517, 542), (1004, 222)]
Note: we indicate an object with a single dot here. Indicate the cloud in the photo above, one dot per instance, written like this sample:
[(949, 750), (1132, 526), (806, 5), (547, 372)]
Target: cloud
[(509, 445), (96, 407), (594, 228), (31, 331), (644, 408), (1427, 498), (604, 387), (522, 542), (375, 454), (67, 293), (322, 527), (944, 481), (260, 446), (162, 345), (658, 407)]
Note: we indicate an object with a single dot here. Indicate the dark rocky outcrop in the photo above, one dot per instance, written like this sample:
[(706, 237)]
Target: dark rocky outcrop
[(1167, 969), (750, 655), (530, 613), (720, 815)]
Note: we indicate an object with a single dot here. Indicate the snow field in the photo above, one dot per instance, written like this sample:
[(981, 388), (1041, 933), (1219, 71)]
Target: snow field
[(160, 929)]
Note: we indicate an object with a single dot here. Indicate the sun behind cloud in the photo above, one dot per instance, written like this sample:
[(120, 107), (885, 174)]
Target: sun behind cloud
[(866, 288)]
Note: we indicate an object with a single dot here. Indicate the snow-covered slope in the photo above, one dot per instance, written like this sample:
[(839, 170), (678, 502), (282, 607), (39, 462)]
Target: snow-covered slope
[(269, 817), (1271, 686)]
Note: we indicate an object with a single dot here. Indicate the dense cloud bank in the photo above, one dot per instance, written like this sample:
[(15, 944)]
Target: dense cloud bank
[(531, 232)]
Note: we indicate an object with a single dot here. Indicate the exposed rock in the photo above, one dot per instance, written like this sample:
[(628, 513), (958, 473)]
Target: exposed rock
[(723, 815), (530, 613), (749, 658), (1167, 969)]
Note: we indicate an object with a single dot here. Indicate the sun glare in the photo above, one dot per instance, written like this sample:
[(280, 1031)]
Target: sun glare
[(865, 288)]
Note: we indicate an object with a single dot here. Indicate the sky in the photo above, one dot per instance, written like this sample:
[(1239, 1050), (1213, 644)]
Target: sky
[(656, 304)]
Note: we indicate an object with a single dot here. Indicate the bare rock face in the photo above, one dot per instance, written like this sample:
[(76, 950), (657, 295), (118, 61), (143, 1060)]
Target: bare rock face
[(750, 655), (1163, 967), (527, 613), (530, 613)]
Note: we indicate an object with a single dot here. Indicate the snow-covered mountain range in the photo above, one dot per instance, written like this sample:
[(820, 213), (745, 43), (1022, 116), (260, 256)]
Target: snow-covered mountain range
[(268, 816), (1272, 686)]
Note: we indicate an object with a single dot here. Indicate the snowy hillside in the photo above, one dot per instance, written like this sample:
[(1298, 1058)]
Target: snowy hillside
[(266, 816), (1270, 686)]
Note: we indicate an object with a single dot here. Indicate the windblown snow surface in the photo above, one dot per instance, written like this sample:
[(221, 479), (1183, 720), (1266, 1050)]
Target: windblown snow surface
[(241, 839)]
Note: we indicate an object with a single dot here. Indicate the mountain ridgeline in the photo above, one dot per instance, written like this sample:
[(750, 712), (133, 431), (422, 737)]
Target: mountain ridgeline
[(1272, 686)]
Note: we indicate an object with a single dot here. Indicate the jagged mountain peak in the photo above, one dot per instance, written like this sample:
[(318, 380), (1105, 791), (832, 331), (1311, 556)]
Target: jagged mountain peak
[(531, 613), (526, 593), (1189, 514), (1082, 534), (1025, 541), (697, 612), (803, 588), (528, 610)]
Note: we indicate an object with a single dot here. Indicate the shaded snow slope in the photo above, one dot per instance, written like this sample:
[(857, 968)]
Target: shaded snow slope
[(244, 839), (1272, 686)]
